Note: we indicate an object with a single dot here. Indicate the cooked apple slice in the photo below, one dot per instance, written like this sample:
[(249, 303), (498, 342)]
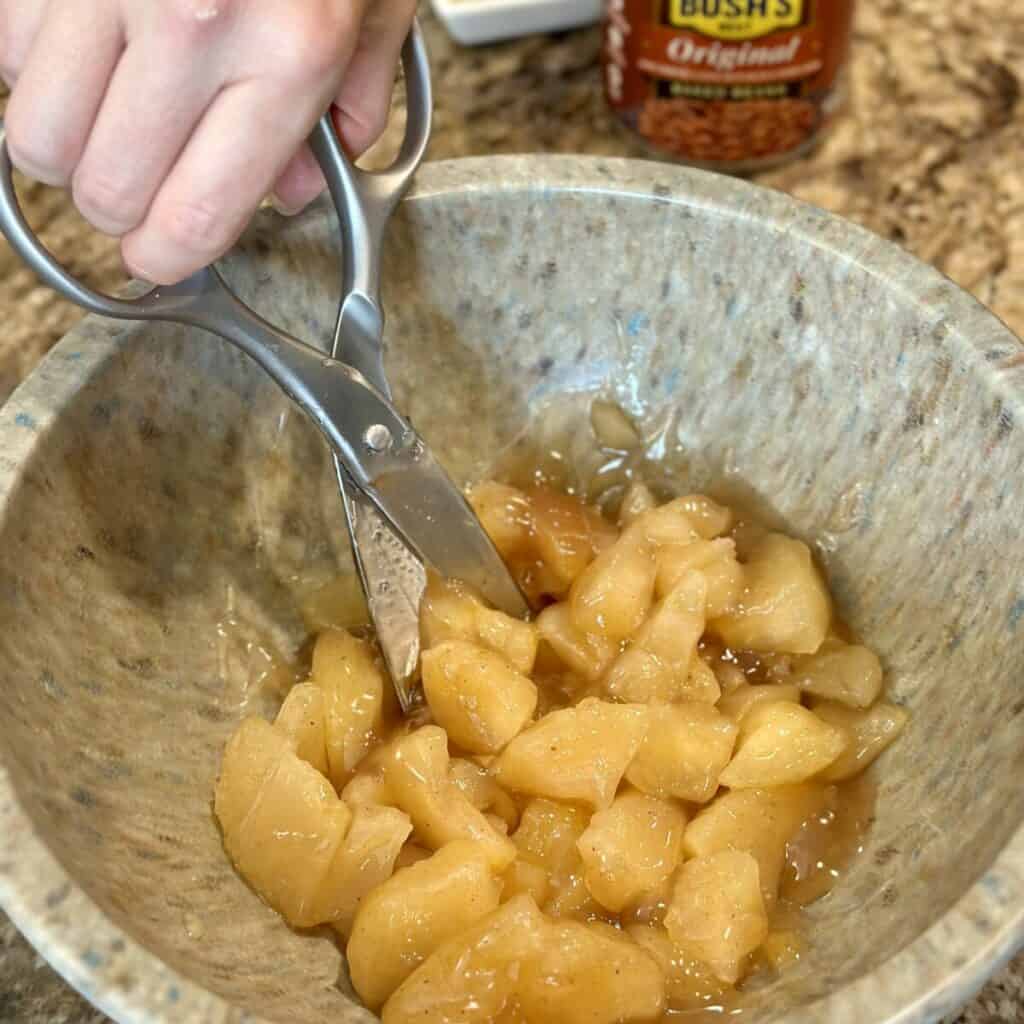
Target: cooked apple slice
[(868, 733), (415, 770), (630, 848), (689, 984), (683, 753), (744, 698), (405, 919), (251, 755), (590, 974), (612, 596), (476, 696), (756, 821), (781, 744), (285, 844), (473, 977), (586, 654), (576, 754), (847, 673), (657, 665), (353, 687), (302, 720), (784, 606), (451, 611), (717, 914)]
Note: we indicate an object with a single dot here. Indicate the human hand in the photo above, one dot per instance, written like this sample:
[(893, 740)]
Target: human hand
[(171, 120)]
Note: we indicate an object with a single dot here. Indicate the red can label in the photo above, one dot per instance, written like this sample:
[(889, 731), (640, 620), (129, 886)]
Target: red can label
[(726, 81)]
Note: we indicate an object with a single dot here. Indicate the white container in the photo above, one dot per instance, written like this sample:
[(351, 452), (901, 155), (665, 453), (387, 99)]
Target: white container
[(486, 21)]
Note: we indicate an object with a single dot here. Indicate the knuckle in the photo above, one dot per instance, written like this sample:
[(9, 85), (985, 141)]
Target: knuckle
[(47, 158), (108, 202), (198, 18), (19, 24), (196, 227), (311, 47)]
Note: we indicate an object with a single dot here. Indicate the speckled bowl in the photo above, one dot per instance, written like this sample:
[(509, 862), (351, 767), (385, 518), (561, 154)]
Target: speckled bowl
[(153, 484)]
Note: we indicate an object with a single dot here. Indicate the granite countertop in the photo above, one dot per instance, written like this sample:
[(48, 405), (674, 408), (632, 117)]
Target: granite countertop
[(931, 156)]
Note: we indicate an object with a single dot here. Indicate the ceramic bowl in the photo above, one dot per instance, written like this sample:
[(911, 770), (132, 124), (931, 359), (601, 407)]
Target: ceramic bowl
[(161, 506)]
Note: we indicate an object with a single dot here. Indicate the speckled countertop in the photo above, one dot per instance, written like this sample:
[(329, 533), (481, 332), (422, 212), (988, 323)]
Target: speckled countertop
[(931, 156)]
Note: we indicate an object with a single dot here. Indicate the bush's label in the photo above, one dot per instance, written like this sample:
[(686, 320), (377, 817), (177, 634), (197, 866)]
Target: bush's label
[(726, 81), (735, 19)]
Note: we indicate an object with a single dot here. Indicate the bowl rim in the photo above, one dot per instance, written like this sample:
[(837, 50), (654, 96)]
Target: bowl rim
[(934, 974)]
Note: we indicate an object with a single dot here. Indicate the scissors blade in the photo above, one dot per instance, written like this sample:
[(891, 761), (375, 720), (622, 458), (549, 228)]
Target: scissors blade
[(392, 465), (393, 577), (421, 500), (393, 580)]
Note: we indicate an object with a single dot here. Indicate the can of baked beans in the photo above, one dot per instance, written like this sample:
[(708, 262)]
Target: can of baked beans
[(731, 85)]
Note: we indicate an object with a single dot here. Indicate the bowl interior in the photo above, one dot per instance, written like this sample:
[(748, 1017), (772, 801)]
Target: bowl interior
[(159, 530)]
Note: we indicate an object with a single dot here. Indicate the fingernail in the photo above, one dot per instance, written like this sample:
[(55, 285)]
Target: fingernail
[(283, 208), (147, 276), (133, 269)]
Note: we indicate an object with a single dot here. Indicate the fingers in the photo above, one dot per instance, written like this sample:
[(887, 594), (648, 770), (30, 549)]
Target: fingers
[(157, 96), (285, 65), (361, 108), (299, 184), (173, 118), (60, 88), (20, 21), (222, 175), (362, 105)]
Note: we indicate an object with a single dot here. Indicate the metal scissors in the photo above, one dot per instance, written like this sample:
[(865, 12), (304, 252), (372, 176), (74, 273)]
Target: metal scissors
[(403, 511)]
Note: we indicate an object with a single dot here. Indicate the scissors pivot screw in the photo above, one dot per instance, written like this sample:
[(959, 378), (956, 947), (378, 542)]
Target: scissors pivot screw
[(377, 438)]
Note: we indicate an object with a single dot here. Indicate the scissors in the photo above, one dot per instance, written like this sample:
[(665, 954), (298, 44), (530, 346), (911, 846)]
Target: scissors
[(403, 511)]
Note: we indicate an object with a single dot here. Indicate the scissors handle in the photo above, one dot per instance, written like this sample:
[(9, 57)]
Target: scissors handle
[(364, 201), (157, 304), (393, 577), (336, 396)]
